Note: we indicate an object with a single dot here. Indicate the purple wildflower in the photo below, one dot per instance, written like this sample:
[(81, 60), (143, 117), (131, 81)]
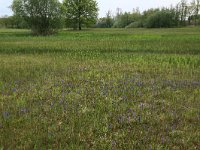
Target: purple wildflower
[(6, 114)]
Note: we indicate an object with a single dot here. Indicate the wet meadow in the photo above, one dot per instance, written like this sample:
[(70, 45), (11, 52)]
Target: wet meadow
[(100, 89)]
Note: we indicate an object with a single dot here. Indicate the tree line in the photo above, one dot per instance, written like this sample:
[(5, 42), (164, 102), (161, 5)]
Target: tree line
[(182, 14), (45, 17)]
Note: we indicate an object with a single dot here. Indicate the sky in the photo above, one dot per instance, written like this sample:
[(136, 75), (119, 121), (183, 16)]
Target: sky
[(105, 5)]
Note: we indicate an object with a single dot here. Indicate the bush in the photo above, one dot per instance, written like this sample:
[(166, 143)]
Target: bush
[(42, 16), (160, 19)]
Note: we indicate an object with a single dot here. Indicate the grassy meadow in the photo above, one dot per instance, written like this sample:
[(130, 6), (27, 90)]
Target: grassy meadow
[(100, 89)]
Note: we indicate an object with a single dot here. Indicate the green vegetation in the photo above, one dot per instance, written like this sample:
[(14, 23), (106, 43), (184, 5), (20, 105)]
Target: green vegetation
[(45, 17), (100, 89), (42, 16), (182, 14), (80, 13)]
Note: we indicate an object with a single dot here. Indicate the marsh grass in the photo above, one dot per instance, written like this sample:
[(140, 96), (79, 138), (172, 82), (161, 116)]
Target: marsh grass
[(100, 89)]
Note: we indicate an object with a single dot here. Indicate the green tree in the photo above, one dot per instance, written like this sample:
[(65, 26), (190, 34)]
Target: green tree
[(42, 16), (80, 13), (123, 20), (163, 18), (105, 22), (109, 19), (12, 22), (101, 23)]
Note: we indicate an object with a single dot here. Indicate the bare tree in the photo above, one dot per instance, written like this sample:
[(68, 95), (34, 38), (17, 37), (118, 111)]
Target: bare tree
[(196, 5)]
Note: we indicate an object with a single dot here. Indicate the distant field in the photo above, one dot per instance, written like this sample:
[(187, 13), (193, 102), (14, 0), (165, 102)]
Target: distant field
[(100, 89)]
